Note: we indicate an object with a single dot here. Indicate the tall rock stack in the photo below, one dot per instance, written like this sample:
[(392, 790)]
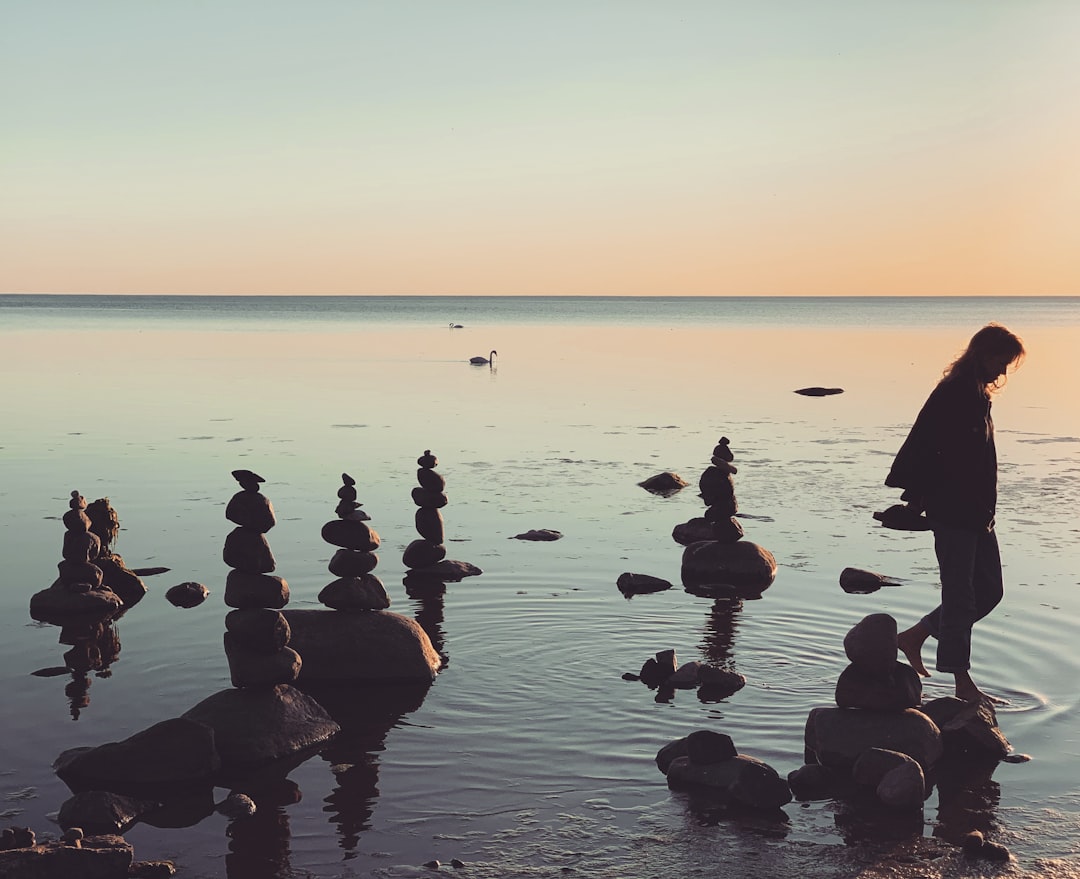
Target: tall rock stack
[(716, 557), (79, 590), (257, 635), (430, 496), (717, 489), (356, 587)]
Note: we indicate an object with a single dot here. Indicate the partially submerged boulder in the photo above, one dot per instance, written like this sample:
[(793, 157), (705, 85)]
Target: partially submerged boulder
[(638, 584), (257, 725), (742, 564), (664, 484), (100, 811), (365, 646), (708, 760), (177, 752)]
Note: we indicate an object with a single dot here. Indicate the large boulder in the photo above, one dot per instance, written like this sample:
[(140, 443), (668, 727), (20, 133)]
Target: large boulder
[(897, 779), (742, 564), (838, 736), (374, 646), (258, 725), (178, 752)]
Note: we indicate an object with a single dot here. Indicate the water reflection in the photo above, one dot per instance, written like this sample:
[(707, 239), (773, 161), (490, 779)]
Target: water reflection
[(95, 646), (428, 593), (365, 714)]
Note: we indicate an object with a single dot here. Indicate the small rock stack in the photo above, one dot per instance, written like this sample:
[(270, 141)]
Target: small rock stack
[(709, 760), (430, 497), (714, 555), (257, 635), (717, 488), (356, 587), (79, 589)]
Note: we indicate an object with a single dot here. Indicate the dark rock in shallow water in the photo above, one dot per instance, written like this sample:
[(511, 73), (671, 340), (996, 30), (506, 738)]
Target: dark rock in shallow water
[(637, 584), (540, 534), (257, 725), (664, 484), (187, 595), (121, 579), (173, 753), (819, 392), (446, 571)]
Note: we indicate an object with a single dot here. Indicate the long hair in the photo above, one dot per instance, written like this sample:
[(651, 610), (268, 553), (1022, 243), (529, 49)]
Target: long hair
[(993, 340)]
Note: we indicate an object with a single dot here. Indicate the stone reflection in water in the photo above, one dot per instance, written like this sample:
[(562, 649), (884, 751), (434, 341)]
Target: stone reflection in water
[(429, 594), (94, 647), (968, 799), (259, 844), (719, 644), (366, 713)]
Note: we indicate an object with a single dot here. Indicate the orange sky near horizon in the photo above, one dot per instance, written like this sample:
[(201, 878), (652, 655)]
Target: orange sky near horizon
[(604, 148)]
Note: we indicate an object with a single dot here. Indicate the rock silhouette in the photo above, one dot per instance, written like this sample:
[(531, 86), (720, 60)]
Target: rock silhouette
[(256, 635), (715, 555)]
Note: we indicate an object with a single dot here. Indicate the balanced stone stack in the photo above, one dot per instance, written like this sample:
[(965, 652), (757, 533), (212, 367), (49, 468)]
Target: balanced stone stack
[(430, 497), (80, 589), (716, 559), (876, 736), (717, 488), (356, 588), (257, 635)]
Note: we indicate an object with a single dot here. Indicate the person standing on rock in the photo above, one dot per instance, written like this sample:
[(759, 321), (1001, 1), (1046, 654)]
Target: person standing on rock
[(947, 467)]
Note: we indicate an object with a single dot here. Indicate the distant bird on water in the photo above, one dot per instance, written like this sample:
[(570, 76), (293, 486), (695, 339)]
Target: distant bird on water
[(454, 326), (480, 361)]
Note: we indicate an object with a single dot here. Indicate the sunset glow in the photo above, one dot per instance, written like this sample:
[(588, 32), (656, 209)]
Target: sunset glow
[(604, 148)]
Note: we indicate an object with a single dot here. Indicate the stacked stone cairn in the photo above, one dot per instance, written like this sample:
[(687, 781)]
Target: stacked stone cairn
[(716, 559), (257, 635), (356, 588), (708, 760), (429, 496), (80, 589), (876, 736)]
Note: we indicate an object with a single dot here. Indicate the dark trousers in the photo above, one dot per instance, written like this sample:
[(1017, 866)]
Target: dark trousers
[(971, 587)]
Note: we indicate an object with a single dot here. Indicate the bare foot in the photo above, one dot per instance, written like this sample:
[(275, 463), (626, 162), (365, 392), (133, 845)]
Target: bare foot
[(910, 642), (969, 692)]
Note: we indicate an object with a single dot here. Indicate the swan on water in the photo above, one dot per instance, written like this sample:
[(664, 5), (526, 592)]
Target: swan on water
[(481, 360), (455, 326)]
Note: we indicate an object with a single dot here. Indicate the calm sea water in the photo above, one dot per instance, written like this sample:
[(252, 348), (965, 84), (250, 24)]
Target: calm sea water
[(529, 755)]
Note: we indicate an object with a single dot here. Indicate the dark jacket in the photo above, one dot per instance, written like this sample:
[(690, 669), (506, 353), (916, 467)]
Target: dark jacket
[(948, 462)]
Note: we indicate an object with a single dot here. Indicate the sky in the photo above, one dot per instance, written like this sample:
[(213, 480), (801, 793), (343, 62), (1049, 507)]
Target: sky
[(593, 147)]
